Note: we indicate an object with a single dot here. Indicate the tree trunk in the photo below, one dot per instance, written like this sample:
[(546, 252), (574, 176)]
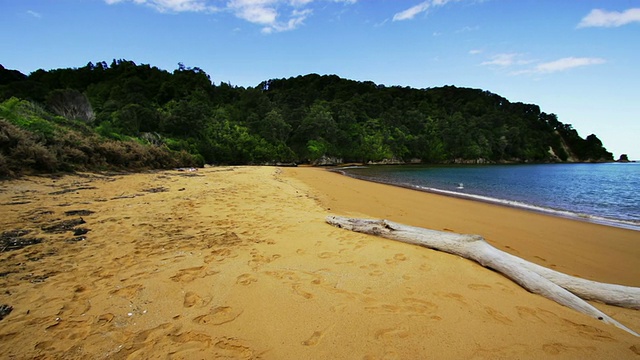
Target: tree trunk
[(564, 289)]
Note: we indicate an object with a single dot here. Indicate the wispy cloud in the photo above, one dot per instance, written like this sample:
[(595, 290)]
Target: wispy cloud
[(518, 64), (171, 5), (254, 11), (603, 18), (467, 29), (266, 13), (566, 64), (296, 19), (411, 12), (272, 15), (475, 51), (506, 60), (34, 14)]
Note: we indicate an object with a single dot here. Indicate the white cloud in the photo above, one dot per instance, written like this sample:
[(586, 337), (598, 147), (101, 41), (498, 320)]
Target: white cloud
[(264, 12), (254, 11), (506, 59), (171, 5), (467, 29), (300, 2), (296, 19), (475, 51), (603, 18), (34, 14), (411, 12), (516, 63), (267, 13), (566, 64)]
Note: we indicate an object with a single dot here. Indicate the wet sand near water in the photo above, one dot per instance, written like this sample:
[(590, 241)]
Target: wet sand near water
[(237, 263)]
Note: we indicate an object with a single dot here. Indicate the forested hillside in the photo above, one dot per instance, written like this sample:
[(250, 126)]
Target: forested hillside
[(157, 118)]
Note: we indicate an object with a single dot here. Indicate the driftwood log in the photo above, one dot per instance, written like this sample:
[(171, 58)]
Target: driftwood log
[(564, 289)]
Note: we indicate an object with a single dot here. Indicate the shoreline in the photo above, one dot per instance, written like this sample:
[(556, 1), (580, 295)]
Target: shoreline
[(503, 202), (537, 237)]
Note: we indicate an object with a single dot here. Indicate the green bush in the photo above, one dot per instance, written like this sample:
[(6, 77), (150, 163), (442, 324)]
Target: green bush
[(25, 115)]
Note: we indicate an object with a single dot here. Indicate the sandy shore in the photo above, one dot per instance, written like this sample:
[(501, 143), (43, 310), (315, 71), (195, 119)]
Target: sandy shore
[(237, 263)]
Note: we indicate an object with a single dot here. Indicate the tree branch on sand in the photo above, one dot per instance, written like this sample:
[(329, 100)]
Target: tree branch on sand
[(564, 289)]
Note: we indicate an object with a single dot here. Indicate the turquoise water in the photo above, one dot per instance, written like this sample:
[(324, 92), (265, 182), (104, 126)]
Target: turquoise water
[(605, 193)]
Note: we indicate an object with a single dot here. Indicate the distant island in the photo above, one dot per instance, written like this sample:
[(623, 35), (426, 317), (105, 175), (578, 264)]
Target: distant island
[(624, 158), (128, 116)]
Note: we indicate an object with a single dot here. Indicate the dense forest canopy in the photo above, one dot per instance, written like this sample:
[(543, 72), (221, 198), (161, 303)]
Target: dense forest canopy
[(300, 119)]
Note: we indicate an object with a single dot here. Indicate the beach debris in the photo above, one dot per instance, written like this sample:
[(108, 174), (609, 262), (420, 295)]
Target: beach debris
[(75, 189), (80, 231), (5, 310), (63, 226), (15, 240), (156, 190), (187, 172), (126, 196), (564, 289), (76, 239), (16, 203), (78, 212)]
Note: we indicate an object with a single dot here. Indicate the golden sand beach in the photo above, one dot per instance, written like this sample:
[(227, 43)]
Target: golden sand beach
[(238, 263)]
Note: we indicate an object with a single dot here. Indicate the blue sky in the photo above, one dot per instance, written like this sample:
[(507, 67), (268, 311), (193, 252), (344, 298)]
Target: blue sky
[(579, 59)]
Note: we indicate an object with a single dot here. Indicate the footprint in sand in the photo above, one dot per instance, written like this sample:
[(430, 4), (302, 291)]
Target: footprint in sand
[(410, 306), (218, 316), (258, 260), (548, 317), (128, 292), (479, 287), (220, 255), (391, 333), (246, 279), (314, 339), (536, 315), (397, 258), (192, 299), (298, 291), (233, 349), (283, 275), (202, 341), (105, 318), (454, 296), (190, 274), (497, 316)]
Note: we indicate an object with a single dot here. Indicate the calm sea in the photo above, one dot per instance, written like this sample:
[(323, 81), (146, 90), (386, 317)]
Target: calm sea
[(604, 193)]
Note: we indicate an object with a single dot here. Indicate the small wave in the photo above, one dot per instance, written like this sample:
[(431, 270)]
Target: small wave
[(632, 225), (351, 167)]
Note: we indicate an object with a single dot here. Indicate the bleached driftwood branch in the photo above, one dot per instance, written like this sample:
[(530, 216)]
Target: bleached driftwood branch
[(567, 290)]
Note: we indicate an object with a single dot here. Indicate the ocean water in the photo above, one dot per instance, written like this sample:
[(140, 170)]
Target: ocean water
[(606, 193)]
